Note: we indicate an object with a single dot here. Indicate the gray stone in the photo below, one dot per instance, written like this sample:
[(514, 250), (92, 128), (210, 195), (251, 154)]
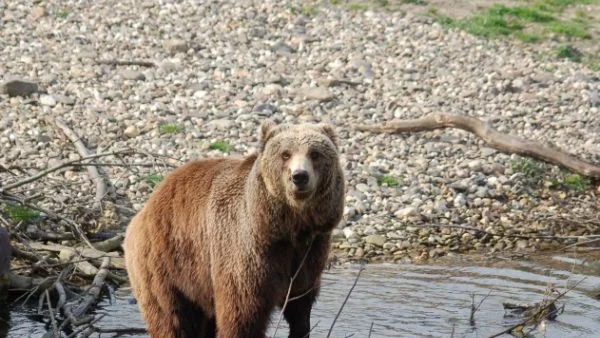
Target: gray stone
[(47, 100), (176, 46), (129, 74), (406, 212), (18, 87), (376, 240), (315, 93), (131, 131)]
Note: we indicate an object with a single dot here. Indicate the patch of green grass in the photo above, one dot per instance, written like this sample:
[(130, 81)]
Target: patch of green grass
[(568, 52), (222, 146), (415, 2), (528, 167), (390, 181), (170, 128), (500, 20), (527, 37), (154, 179), (335, 2), (20, 213), (577, 182), (355, 6), (310, 10), (571, 28), (62, 14)]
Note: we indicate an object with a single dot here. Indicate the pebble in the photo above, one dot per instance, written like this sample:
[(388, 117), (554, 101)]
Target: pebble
[(176, 46), (47, 100), (135, 75)]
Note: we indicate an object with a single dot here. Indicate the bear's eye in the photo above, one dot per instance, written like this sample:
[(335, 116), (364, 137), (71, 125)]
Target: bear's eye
[(315, 155), (286, 155)]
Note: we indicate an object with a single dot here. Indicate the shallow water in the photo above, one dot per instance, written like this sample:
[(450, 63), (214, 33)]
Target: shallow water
[(410, 301)]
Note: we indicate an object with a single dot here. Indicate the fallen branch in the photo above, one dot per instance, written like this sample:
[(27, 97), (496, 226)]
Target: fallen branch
[(63, 165), (542, 312), (499, 141), (92, 170), (126, 63)]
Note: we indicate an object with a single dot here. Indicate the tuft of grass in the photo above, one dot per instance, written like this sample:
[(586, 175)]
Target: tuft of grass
[(568, 52), (20, 213), (170, 128), (154, 179), (577, 182), (310, 10), (390, 181), (335, 2), (358, 7), (570, 28), (222, 146), (529, 167), (62, 14)]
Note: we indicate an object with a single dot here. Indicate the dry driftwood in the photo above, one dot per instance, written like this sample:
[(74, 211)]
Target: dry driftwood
[(499, 141), (92, 170)]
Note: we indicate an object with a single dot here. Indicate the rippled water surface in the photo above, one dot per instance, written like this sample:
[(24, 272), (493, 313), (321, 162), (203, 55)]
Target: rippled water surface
[(410, 301)]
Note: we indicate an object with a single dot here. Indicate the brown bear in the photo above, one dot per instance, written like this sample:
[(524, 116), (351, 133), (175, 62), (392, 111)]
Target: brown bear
[(216, 246)]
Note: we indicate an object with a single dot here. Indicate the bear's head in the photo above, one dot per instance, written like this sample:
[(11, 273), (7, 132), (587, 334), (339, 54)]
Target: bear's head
[(298, 162)]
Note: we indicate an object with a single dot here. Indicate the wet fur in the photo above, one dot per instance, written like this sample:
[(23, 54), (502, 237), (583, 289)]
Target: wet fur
[(214, 248)]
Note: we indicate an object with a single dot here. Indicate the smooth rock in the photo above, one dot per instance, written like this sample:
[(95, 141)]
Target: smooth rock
[(18, 87), (376, 240)]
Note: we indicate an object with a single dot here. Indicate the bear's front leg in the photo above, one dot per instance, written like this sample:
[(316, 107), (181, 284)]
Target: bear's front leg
[(297, 314), (241, 311), (306, 287)]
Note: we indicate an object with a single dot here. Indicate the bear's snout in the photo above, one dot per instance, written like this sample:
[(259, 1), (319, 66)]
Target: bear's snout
[(300, 178)]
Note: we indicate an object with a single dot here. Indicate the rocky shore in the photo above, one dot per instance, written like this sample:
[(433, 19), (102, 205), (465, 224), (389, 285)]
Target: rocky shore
[(179, 80)]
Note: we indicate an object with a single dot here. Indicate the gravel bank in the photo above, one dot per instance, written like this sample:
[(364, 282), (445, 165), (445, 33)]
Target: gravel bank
[(220, 68)]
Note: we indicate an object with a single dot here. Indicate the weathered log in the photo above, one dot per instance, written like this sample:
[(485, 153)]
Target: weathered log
[(503, 142)]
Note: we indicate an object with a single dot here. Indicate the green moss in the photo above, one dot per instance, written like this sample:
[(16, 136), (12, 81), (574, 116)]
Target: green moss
[(20, 213), (568, 52), (170, 128), (359, 7), (390, 181), (530, 168), (577, 182), (61, 14), (222, 146), (154, 179)]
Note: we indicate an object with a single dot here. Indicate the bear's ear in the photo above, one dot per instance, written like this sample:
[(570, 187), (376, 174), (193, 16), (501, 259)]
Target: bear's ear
[(328, 130), (267, 129)]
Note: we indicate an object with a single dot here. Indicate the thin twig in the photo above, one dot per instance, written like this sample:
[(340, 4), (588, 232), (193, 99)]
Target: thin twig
[(362, 267), (51, 314), (475, 308), (371, 329)]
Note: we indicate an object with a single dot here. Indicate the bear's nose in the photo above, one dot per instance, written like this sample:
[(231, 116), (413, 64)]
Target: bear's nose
[(300, 178)]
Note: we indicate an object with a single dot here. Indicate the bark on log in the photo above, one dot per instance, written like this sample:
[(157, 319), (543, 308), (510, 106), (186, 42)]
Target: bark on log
[(499, 141)]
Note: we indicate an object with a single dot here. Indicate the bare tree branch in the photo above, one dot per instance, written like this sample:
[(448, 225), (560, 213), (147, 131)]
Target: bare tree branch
[(499, 141)]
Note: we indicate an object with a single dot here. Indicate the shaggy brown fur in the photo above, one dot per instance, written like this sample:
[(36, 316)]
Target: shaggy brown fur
[(216, 245)]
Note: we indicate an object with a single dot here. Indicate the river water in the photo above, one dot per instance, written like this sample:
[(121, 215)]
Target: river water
[(403, 300)]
